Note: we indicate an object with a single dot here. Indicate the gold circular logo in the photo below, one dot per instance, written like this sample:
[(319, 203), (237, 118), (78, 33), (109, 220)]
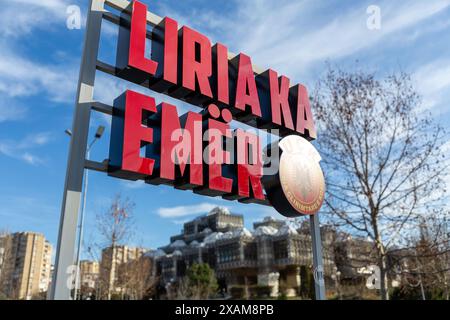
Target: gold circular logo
[(301, 177)]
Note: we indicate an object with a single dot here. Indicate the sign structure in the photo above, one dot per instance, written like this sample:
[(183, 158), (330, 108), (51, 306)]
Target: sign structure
[(298, 186), (184, 64), (201, 151)]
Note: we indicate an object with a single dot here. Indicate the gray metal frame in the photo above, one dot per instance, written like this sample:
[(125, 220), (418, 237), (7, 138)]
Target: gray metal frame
[(61, 288), (77, 162)]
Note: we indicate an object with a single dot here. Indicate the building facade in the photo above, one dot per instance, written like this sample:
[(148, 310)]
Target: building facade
[(112, 259), (271, 256), (89, 274), (26, 265)]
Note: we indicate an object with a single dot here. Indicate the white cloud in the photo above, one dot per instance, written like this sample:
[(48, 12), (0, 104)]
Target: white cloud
[(20, 149), (292, 50), (20, 77), (21, 17), (181, 211), (257, 213), (133, 184), (9, 111), (31, 159), (433, 82), (292, 36), (445, 149), (40, 138)]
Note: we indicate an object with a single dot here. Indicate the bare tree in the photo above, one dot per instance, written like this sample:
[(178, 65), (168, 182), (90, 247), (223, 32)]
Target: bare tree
[(115, 224), (136, 278), (115, 228), (425, 263), (381, 157)]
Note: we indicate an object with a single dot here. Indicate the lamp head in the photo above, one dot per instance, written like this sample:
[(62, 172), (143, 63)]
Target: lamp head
[(99, 132)]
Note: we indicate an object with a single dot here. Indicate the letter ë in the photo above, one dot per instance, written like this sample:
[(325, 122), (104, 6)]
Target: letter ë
[(216, 157)]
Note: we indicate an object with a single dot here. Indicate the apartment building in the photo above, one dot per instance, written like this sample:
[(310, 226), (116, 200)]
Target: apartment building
[(112, 259), (89, 273), (25, 265)]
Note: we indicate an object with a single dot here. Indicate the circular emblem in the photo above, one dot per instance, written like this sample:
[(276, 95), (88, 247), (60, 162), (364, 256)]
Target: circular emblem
[(299, 186)]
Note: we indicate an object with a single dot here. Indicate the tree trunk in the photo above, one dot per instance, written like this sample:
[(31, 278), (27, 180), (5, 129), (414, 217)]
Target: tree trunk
[(384, 288), (111, 271)]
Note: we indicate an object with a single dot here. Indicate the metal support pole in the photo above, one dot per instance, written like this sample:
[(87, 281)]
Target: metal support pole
[(80, 234), (81, 224), (65, 252), (317, 257)]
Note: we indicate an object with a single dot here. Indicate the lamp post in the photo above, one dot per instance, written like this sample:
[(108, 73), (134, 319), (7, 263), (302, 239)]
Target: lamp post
[(98, 135)]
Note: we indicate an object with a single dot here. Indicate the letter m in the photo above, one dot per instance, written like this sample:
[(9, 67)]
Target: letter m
[(181, 146)]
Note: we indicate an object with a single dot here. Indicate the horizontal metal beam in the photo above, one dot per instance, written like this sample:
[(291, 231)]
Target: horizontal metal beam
[(102, 107), (126, 22), (264, 202), (107, 68), (124, 5), (96, 166)]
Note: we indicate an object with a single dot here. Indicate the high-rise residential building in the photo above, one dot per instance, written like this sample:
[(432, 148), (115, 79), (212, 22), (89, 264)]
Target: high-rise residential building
[(4, 239), (112, 259), (25, 271), (89, 271)]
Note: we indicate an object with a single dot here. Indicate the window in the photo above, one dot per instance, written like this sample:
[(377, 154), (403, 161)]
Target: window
[(280, 249), (229, 253), (250, 251)]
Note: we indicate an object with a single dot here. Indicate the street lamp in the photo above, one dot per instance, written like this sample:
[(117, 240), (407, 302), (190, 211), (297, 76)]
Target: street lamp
[(98, 135)]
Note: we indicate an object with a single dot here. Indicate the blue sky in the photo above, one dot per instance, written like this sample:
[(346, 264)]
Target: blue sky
[(39, 62)]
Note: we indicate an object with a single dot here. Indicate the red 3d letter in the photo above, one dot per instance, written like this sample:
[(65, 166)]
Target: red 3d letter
[(196, 61), (222, 73), (279, 99), (138, 35), (182, 145), (249, 168), (217, 156), (246, 92), (304, 116), (135, 134), (170, 50)]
